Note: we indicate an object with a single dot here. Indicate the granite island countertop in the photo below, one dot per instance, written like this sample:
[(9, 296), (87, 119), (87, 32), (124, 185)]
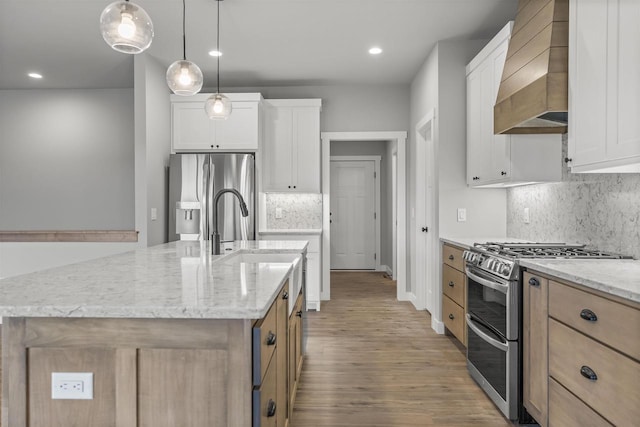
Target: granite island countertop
[(620, 277), (173, 280)]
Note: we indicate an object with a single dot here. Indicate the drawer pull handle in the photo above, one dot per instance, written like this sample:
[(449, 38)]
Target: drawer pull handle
[(271, 338), (588, 373), (588, 315), (299, 313), (451, 283), (534, 281), (285, 295), (271, 408), (451, 257), (451, 316)]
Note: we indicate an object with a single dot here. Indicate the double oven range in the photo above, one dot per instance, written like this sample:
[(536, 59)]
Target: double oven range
[(494, 316)]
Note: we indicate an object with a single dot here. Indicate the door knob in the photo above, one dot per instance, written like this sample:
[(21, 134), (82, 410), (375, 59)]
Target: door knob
[(425, 229)]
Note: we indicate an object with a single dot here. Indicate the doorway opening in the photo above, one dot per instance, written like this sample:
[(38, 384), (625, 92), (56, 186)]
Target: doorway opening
[(396, 143)]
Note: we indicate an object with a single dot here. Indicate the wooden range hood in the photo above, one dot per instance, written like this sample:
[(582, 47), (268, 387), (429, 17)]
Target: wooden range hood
[(533, 92)]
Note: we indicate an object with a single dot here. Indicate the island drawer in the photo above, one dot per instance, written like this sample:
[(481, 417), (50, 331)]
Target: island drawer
[(453, 284), (612, 323), (264, 344), (453, 257), (265, 402), (453, 317), (613, 391)]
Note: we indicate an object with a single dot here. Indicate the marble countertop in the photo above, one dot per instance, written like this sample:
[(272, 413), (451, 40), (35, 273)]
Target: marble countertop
[(291, 231), (173, 280), (467, 242), (620, 277)]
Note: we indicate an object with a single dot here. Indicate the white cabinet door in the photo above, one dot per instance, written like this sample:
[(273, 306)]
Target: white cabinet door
[(278, 149), (604, 88), (191, 128), (306, 151), (240, 131)]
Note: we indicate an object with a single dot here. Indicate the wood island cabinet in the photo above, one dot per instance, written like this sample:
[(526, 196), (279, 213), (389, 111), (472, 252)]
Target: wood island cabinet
[(581, 354), (454, 292), (155, 372)]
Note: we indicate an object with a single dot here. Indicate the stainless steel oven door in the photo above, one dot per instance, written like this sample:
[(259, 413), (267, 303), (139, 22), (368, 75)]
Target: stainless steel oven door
[(493, 362), (494, 301)]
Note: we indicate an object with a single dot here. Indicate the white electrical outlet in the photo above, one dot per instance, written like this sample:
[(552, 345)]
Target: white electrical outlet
[(72, 385), (278, 213), (154, 214), (527, 216), (462, 214)]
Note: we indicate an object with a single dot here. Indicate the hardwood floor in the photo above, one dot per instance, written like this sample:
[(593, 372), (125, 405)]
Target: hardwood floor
[(373, 361)]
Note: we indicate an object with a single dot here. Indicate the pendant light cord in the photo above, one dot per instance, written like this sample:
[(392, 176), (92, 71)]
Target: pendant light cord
[(218, 44), (184, 33)]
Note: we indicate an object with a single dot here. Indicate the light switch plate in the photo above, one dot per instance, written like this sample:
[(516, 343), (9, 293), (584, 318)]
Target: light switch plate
[(462, 214), (278, 213), (527, 216), (154, 214), (72, 385)]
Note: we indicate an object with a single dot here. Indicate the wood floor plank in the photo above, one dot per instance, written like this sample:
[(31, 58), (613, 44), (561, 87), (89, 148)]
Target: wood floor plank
[(373, 361)]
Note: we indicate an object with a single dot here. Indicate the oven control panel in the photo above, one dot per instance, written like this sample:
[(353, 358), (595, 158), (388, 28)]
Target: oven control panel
[(491, 263)]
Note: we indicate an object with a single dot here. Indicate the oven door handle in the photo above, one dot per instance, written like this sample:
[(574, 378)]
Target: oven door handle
[(488, 283), (494, 342)]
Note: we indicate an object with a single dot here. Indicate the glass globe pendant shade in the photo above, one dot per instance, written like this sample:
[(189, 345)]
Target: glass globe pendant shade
[(218, 107), (126, 27), (184, 78)]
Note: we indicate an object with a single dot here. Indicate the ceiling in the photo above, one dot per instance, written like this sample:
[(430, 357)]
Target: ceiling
[(264, 42)]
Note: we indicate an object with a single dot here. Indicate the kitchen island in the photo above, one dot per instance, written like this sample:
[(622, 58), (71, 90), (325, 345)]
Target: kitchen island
[(170, 334)]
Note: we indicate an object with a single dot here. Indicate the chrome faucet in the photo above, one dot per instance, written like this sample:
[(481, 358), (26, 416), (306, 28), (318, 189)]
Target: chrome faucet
[(215, 237)]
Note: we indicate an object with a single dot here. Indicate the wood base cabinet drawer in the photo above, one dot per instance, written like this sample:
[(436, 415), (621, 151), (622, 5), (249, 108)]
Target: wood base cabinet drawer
[(566, 410), (264, 344), (610, 322), (613, 389), (453, 284), (453, 257), (453, 317), (265, 404)]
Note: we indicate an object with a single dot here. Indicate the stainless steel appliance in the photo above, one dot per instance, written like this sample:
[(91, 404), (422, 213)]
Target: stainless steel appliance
[(494, 316), (194, 180)]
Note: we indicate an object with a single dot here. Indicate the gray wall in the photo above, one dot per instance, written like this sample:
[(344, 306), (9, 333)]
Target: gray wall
[(374, 148), (599, 210), (66, 159), (349, 108)]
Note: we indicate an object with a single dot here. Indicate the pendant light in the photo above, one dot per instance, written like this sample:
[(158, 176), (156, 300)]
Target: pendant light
[(184, 77), (126, 27), (218, 106)]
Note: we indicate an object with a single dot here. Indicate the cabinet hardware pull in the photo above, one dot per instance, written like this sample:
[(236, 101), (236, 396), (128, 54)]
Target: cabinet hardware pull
[(299, 313), (503, 173), (294, 186), (285, 295), (588, 315), (271, 408), (451, 283), (534, 281), (289, 186), (451, 257), (451, 316), (271, 338), (425, 229), (588, 373)]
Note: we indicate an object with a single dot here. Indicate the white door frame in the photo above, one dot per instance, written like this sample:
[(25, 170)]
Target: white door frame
[(428, 289), (401, 139), (394, 214), (376, 201)]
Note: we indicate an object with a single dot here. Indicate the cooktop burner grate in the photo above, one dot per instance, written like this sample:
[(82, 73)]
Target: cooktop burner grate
[(543, 250)]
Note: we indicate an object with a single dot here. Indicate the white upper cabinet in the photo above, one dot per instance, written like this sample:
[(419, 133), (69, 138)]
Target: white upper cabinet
[(604, 86), (192, 130), (291, 154), (502, 160)]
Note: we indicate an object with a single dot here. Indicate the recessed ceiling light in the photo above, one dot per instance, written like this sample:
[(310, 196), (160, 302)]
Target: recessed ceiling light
[(215, 53), (35, 75), (375, 51)]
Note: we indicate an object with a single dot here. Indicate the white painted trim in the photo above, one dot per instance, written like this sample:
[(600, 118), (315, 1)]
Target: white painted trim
[(313, 305), (401, 139), (387, 270), (437, 325), (376, 194), (308, 102), (394, 213)]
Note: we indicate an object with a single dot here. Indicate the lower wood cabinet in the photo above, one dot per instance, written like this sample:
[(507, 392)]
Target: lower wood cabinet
[(155, 372), (454, 292)]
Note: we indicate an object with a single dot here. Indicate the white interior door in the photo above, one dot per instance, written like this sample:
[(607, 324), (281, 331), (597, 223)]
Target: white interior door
[(353, 216)]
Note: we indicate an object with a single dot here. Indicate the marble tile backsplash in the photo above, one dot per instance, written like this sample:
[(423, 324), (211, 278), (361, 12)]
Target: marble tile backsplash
[(299, 211), (599, 210)]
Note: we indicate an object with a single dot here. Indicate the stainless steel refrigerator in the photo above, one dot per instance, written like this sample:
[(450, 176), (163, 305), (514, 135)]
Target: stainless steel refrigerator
[(194, 180)]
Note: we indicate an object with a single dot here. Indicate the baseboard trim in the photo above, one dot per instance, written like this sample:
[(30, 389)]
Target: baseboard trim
[(437, 325), (313, 305)]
